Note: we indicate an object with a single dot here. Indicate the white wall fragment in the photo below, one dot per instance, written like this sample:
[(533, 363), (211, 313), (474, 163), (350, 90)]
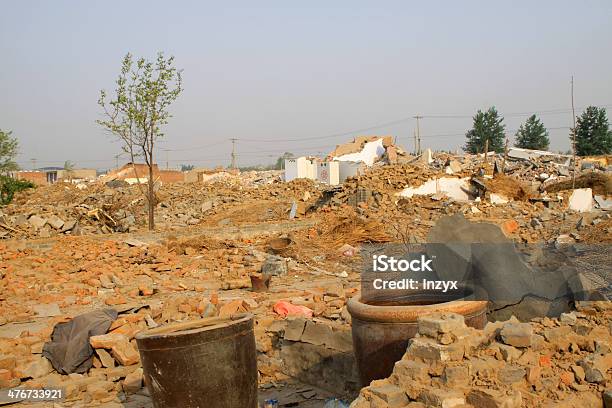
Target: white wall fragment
[(581, 200), (370, 152), (452, 187), (498, 198)]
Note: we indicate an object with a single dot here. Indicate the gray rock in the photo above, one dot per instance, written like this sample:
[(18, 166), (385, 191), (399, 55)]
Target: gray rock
[(56, 222), (37, 221), (69, 225), (536, 224), (568, 318), (47, 310), (275, 266), (511, 374), (517, 334)]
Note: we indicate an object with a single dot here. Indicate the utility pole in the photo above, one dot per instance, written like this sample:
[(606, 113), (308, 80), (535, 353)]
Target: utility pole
[(573, 136), (505, 156), (33, 164), (166, 150), (418, 133), (415, 142), (117, 161), (233, 165)]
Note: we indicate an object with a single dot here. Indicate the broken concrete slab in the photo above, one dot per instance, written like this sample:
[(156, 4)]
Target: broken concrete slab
[(581, 200), (275, 266), (47, 310), (456, 188), (37, 222), (498, 198), (369, 154), (603, 202), (426, 156), (55, 221)]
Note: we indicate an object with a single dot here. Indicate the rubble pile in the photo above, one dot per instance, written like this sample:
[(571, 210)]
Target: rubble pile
[(101, 209), (149, 285), (383, 180), (64, 208), (547, 362), (83, 271), (98, 257), (528, 210)]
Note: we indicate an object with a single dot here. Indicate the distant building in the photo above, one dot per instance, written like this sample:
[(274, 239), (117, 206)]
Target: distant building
[(134, 172), (50, 175), (328, 172)]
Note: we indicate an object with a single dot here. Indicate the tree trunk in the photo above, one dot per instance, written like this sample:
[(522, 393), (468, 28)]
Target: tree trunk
[(151, 197)]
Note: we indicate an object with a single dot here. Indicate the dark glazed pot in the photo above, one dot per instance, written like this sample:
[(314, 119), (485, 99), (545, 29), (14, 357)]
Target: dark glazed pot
[(381, 332), (205, 363)]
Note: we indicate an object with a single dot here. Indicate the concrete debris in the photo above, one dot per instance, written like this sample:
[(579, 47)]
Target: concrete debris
[(455, 188), (581, 200), (47, 310), (68, 249), (498, 199), (603, 203), (487, 373), (370, 152)]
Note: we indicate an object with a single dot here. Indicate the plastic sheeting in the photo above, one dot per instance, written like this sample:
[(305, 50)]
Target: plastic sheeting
[(69, 350)]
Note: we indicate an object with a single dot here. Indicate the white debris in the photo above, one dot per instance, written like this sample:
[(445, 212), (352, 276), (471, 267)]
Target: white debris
[(498, 198), (427, 156), (370, 152), (581, 200), (455, 188)]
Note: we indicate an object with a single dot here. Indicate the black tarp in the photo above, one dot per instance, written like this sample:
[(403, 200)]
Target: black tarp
[(69, 350)]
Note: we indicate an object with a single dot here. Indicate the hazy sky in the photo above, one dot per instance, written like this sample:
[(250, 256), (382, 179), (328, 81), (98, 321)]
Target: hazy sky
[(298, 76)]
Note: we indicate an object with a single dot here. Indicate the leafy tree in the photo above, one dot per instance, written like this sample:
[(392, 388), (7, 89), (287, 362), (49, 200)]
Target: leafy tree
[(187, 167), (9, 186), (145, 90), (280, 162), (487, 126), (593, 135), (8, 152), (532, 135)]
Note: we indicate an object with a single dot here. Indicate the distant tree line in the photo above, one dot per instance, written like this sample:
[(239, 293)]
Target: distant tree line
[(593, 134)]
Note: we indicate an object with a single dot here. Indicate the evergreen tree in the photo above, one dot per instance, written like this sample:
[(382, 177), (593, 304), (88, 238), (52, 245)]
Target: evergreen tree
[(532, 135), (593, 135), (487, 126)]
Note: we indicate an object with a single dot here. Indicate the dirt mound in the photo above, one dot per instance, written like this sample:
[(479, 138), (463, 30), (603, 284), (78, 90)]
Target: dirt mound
[(179, 246), (507, 186), (600, 183)]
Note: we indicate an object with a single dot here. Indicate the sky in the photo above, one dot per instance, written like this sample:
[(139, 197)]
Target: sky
[(298, 77)]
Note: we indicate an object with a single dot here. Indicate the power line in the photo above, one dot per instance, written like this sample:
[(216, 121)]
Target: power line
[(410, 118), (380, 125), (394, 122), (510, 115)]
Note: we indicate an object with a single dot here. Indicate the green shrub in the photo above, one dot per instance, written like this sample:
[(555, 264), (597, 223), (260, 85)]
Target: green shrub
[(9, 186)]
